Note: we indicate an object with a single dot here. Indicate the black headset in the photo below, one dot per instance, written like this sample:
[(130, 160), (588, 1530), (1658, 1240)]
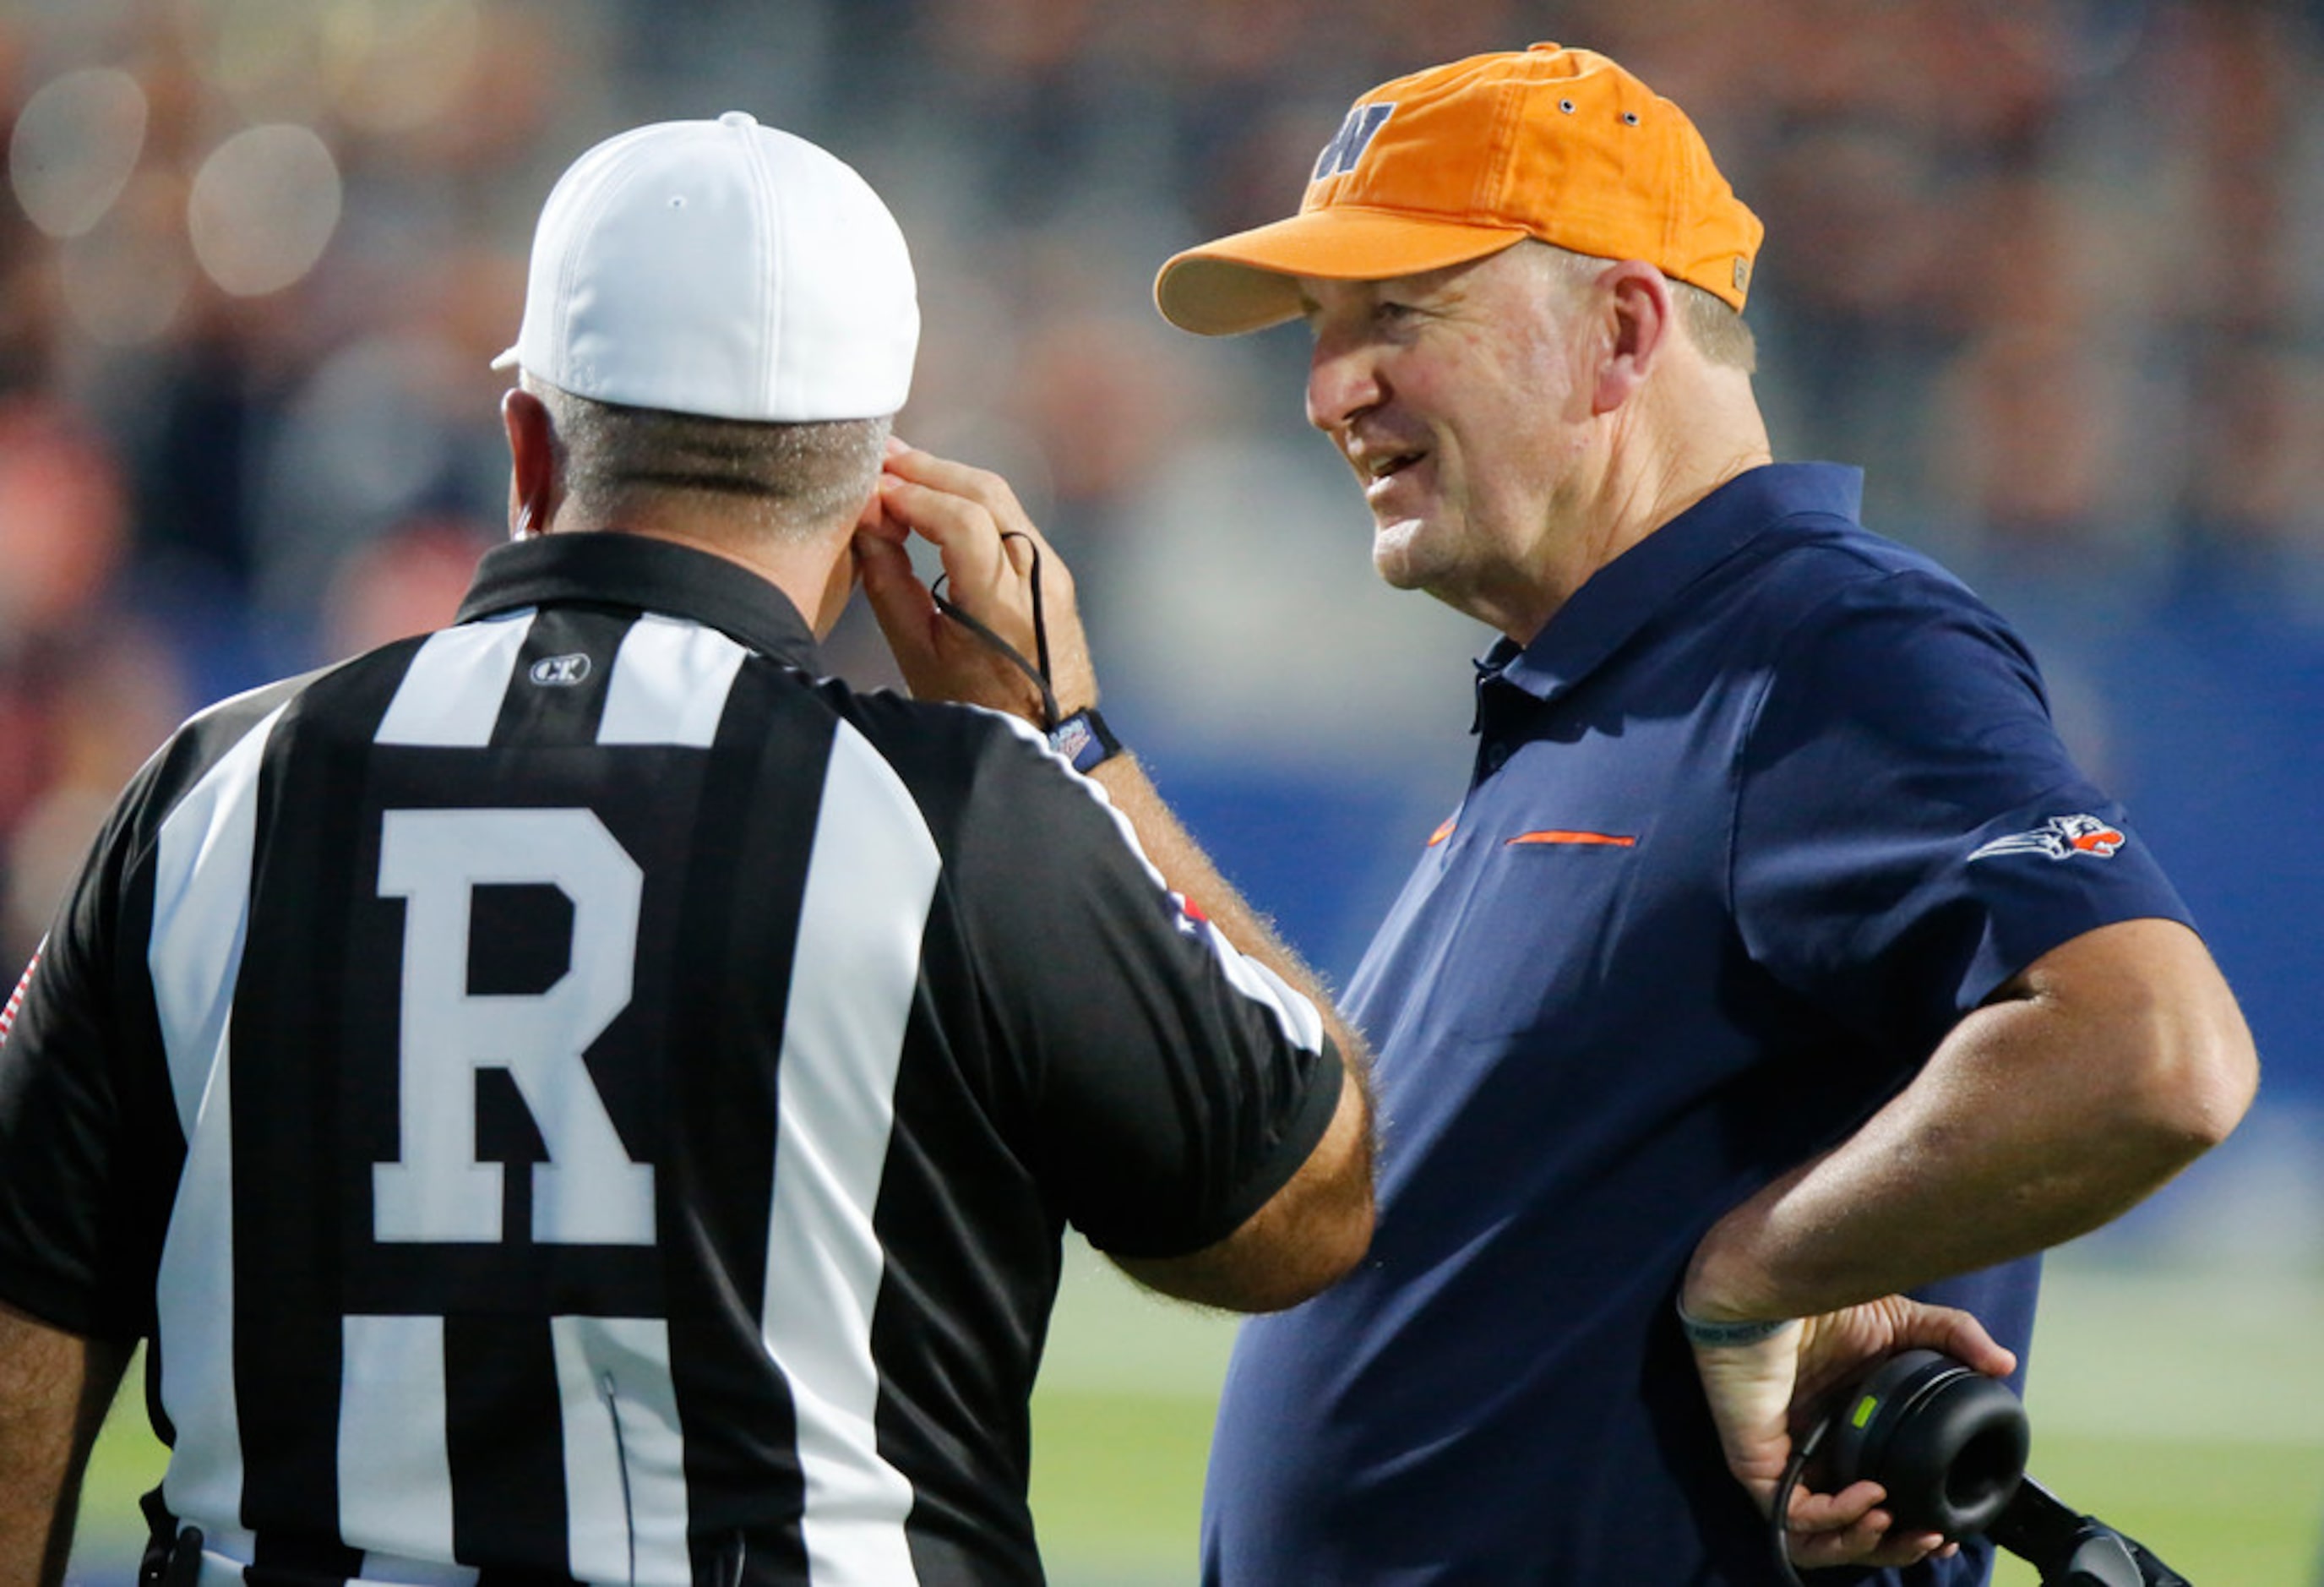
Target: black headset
[(1949, 1445)]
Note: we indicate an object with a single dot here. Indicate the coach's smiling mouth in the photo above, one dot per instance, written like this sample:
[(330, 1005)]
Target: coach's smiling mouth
[(1379, 470)]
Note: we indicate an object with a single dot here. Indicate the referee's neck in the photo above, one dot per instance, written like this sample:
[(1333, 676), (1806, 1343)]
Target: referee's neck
[(811, 569)]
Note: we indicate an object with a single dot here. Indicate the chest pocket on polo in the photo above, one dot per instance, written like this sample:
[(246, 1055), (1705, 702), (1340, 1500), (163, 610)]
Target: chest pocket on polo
[(1546, 915)]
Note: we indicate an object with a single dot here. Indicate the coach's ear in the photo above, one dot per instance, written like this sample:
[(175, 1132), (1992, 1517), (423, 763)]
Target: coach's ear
[(532, 464)]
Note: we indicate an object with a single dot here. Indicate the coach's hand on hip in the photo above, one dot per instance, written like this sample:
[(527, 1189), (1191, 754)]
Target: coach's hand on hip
[(991, 551)]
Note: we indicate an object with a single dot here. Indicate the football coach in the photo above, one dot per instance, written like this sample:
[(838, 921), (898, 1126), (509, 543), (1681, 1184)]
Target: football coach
[(1777, 987)]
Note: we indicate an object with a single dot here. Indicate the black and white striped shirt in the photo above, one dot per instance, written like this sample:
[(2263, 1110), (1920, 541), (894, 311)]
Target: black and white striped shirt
[(577, 1096)]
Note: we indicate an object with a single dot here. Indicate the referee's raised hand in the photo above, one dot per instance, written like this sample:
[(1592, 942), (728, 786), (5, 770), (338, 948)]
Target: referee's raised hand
[(1002, 575), (997, 567)]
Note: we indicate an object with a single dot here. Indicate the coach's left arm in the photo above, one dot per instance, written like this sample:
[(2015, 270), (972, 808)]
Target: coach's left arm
[(2082, 1085), (55, 1388)]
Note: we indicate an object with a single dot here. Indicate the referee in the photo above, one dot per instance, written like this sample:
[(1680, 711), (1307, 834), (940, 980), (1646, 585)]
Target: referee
[(582, 1096)]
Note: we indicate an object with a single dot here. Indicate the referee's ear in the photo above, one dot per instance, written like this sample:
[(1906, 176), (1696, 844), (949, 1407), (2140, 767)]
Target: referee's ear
[(532, 463)]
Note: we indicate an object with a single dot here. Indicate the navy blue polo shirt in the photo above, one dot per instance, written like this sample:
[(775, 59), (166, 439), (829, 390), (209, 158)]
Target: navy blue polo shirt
[(1767, 806)]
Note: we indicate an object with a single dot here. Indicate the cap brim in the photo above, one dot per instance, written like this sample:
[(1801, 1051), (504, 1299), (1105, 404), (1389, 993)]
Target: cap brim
[(1247, 281)]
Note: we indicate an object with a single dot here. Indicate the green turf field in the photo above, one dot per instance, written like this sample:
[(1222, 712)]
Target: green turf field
[(2188, 1411)]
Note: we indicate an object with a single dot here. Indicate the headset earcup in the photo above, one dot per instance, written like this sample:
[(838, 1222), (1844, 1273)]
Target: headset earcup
[(1948, 1443), (1953, 1465)]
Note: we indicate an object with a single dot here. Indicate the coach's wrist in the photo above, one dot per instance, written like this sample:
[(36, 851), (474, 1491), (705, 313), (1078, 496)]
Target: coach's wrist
[(1724, 1301)]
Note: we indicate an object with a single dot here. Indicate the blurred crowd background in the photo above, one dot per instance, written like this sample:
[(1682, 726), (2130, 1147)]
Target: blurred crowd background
[(2052, 272)]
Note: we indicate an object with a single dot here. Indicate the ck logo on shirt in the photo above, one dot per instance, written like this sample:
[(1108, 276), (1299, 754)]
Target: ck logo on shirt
[(2061, 837), (559, 671), (1348, 144)]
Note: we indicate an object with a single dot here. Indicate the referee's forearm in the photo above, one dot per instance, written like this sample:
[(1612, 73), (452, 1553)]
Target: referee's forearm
[(55, 1388)]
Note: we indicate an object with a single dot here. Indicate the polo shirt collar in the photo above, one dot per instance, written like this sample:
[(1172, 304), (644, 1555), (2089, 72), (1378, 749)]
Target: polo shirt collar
[(1622, 597), (613, 568)]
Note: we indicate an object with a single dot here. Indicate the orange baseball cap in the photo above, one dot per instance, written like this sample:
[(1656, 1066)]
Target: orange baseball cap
[(1461, 161)]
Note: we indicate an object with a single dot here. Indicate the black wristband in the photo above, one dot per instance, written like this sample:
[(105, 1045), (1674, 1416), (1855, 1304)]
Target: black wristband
[(1084, 739)]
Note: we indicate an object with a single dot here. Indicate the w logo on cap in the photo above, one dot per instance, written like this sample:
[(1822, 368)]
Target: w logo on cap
[(1348, 144)]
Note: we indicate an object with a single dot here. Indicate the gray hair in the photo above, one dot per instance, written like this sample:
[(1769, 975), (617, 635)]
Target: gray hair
[(1716, 328), (794, 479)]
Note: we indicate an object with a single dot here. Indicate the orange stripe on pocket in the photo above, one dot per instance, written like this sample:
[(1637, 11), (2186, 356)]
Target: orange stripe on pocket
[(1443, 832), (1601, 839)]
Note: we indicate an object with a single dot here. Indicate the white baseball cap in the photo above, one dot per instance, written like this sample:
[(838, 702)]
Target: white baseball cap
[(721, 267)]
